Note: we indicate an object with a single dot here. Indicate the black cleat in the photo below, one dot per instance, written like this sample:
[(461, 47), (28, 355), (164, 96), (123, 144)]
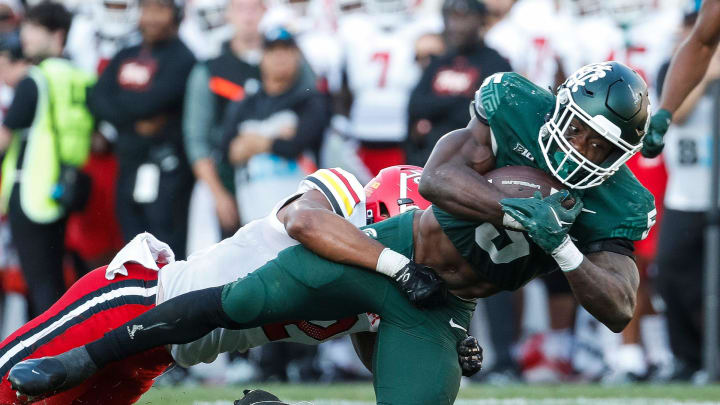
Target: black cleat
[(39, 378), (421, 285), (253, 397)]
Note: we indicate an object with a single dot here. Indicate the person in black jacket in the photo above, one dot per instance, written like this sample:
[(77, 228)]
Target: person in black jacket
[(272, 132), (438, 104), (141, 93)]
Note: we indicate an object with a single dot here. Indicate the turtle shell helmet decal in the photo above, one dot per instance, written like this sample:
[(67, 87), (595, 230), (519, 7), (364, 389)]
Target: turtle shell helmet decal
[(393, 191), (610, 98)]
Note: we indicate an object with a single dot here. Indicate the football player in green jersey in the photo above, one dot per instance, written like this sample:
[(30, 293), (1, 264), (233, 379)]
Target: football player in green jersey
[(583, 136)]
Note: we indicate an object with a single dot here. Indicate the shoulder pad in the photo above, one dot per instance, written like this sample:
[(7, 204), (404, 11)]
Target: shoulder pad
[(342, 190)]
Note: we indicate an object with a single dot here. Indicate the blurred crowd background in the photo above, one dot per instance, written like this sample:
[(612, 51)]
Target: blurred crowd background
[(190, 119)]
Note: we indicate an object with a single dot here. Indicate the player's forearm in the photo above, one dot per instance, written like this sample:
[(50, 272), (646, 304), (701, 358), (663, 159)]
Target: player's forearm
[(606, 286), (461, 191), (204, 169), (333, 238), (687, 106), (685, 73), (452, 180)]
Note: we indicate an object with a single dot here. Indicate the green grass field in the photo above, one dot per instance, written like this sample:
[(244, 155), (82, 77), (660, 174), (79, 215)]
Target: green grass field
[(475, 394)]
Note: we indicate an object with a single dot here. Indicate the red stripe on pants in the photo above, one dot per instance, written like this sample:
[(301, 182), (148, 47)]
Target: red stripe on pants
[(121, 382)]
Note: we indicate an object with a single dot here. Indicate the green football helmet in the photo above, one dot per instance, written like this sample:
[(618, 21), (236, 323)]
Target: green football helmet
[(610, 98)]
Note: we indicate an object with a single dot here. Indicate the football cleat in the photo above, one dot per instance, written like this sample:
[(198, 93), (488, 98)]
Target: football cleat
[(38, 378), (253, 397)]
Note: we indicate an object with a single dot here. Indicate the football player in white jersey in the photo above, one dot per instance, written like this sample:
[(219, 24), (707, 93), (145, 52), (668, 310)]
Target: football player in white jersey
[(144, 273), (381, 71), (533, 36), (204, 28), (96, 36)]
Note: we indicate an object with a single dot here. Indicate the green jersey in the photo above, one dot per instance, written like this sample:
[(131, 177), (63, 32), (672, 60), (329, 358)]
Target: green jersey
[(620, 208)]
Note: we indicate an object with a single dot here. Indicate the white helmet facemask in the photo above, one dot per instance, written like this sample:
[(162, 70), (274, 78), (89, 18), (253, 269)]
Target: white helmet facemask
[(567, 164)]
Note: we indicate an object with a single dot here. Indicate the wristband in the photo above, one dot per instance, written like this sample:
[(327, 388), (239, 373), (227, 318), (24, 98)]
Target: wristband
[(390, 262), (512, 223), (567, 255)]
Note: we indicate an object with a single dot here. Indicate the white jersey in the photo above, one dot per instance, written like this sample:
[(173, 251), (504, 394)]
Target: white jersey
[(534, 38), (643, 46), (688, 159), (89, 49), (381, 72), (251, 247)]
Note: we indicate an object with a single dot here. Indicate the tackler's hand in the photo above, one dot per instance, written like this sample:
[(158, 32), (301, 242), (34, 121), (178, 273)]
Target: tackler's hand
[(470, 355), (421, 285)]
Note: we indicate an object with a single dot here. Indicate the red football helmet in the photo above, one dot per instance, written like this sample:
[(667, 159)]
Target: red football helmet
[(393, 191)]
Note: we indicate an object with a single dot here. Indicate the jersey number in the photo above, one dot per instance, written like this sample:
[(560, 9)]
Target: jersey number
[(688, 152), (277, 331), (384, 59), (502, 245)]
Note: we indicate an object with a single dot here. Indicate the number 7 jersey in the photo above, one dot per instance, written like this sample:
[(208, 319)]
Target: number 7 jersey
[(618, 210), (381, 73)]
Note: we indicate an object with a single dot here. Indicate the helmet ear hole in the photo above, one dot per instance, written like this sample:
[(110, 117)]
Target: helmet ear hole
[(384, 212)]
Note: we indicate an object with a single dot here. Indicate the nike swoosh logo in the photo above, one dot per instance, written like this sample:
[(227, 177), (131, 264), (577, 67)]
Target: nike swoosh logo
[(559, 222), (454, 325)]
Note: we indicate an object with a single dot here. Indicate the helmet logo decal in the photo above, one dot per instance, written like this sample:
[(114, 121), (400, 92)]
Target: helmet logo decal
[(587, 74)]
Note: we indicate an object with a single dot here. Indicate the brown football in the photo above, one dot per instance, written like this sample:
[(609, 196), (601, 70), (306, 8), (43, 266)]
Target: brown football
[(524, 181)]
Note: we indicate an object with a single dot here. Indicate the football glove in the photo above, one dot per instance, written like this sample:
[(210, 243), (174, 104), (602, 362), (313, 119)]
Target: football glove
[(421, 285), (470, 355), (653, 142), (546, 220)]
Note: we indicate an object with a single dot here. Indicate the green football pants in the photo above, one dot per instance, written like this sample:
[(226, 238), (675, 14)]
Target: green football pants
[(415, 359)]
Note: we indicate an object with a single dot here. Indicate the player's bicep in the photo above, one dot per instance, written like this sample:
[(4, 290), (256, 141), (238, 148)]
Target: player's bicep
[(469, 146)]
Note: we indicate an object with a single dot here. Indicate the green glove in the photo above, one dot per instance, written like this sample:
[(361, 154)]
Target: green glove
[(547, 222), (653, 142)]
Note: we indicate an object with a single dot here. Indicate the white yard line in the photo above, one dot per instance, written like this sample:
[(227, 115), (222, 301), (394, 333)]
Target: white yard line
[(514, 401)]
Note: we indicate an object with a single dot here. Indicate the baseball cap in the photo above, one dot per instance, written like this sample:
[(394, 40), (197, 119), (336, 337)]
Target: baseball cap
[(276, 36)]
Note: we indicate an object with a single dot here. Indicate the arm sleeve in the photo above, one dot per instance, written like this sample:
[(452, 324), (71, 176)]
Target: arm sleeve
[(198, 114), (616, 245), (22, 109), (313, 120)]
